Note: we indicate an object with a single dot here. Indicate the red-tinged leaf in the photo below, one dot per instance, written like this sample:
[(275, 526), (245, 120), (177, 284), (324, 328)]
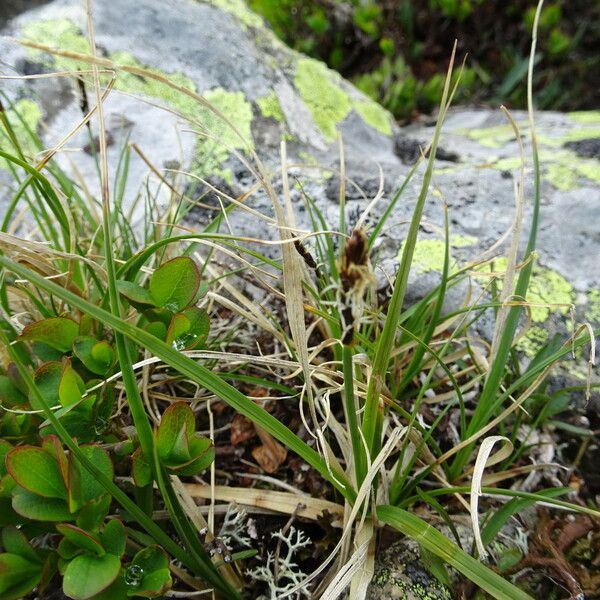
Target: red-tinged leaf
[(37, 471), (56, 332), (81, 538), (136, 294)]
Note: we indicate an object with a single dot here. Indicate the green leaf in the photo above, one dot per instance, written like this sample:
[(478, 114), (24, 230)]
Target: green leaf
[(38, 508), (71, 385), (140, 469), (157, 329), (5, 448), (18, 576), (148, 574), (83, 486), (94, 512), (80, 538), (87, 575), (15, 542), (203, 453), (177, 426), (56, 332), (174, 284), (441, 546), (138, 296), (47, 379), (114, 537), (97, 357), (10, 395), (188, 329), (36, 471)]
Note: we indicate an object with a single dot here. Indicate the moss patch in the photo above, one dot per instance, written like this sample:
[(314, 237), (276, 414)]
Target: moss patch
[(319, 87), (375, 115)]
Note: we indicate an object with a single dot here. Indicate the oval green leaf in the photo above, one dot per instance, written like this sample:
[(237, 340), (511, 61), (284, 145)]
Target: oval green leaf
[(97, 357), (174, 284), (38, 508), (87, 575), (80, 538), (36, 471), (114, 537), (136, 294), (153, 563), (56, 332), (174, 433)]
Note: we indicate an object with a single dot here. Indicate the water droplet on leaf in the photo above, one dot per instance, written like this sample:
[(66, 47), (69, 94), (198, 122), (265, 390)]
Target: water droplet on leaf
[(134, 575)]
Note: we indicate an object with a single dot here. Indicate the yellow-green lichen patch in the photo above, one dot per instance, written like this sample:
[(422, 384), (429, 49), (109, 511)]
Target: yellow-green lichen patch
[(319, 88), (586, 116), (24, 117), (375, 115), (592, 308), (270, 107), (562, 177), (533, 340), (561, 168), (429, 254), (239, 9), (548, 292), (61, 34), (589, 168), (461, 241), (213, 150), (575, 135), (152, 88), (492, 137)]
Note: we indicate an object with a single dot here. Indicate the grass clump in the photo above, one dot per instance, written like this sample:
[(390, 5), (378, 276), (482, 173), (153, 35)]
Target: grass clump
[(128, 375)]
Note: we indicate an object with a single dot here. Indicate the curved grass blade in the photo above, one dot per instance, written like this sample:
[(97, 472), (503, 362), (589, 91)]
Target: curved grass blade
[(431, 539)]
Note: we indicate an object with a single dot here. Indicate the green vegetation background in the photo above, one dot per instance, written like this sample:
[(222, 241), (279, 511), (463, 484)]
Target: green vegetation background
[(396, 50)]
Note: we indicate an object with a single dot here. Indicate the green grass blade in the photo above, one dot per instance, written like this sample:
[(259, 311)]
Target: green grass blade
[(373, 407), (431, 539)]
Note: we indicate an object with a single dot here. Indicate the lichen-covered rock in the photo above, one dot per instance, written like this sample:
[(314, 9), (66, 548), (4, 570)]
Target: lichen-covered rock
[(222, 50), (401, 575)]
